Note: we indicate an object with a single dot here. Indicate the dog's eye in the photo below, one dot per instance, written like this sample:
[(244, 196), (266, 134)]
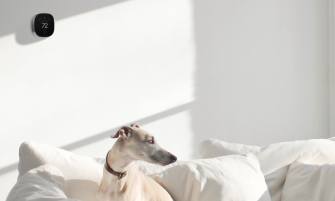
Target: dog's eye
[(152, 141)]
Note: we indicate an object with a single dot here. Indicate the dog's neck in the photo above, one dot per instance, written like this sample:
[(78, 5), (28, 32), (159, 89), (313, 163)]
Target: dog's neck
[(117, 160)]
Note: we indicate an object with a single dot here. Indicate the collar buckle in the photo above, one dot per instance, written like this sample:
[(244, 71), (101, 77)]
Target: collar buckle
[(120, 175)]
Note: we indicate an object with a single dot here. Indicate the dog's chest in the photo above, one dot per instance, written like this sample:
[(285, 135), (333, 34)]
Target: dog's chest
[(126, 189), (126, 195)]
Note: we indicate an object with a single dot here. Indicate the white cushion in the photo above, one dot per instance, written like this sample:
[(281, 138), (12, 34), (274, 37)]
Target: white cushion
[(217, 179), (82, 174), (40, 184), (309, 182), (275, 159), (149, 168)]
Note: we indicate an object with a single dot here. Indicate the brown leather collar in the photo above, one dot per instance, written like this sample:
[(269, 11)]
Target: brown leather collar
[(110, 170)]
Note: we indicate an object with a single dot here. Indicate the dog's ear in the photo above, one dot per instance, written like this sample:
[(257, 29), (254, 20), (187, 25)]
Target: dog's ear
[(115, 135), (135, 125), (125, 132)]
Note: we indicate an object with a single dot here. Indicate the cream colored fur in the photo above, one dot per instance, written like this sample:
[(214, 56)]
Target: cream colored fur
[(134, 144)]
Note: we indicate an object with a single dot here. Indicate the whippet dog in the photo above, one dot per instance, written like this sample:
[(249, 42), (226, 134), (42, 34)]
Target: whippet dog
[(121, 180)]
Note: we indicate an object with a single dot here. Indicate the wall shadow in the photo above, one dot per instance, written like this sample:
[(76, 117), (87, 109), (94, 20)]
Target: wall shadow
[(107, 134), (209, 115), (227, 100), (261, 71), (16, 16), (143, 121)]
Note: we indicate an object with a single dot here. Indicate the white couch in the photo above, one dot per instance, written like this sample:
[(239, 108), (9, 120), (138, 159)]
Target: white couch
[(226, 171)]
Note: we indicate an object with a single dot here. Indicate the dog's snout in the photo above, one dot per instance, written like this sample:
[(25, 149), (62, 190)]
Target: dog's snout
[(164, 158), (173, 158)]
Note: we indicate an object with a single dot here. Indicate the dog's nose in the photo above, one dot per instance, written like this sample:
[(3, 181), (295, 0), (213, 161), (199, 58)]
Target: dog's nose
[(173, 158)]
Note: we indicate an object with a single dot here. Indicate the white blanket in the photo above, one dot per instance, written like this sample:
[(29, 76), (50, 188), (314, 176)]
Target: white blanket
[(305, 182), (275, 159), (218, 179)]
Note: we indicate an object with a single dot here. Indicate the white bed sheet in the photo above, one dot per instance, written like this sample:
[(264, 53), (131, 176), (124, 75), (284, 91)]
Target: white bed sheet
[(218, 179)]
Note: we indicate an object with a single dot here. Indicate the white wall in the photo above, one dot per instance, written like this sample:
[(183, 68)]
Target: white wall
[(261, 70), (252, 72), (132, 61)]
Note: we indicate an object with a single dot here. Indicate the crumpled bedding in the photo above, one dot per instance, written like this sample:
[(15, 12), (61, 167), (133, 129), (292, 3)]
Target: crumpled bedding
[(237, 177), (275, 159)]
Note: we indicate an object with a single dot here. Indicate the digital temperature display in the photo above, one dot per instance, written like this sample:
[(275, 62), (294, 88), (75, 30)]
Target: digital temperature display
[(43, 25)]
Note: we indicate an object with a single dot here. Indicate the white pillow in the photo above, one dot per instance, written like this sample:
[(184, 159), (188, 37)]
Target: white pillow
[(149, 168), (275, 159), (82, 174), (309, 183), (40, 184), (216, 179)]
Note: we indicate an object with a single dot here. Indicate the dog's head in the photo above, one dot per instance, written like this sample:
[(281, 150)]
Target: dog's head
[(141, 145)]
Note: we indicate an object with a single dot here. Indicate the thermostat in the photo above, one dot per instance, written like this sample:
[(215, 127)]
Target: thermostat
[(43, 25)]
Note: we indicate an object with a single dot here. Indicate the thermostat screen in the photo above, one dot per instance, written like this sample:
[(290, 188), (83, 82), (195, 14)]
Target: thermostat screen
[(44, 25)]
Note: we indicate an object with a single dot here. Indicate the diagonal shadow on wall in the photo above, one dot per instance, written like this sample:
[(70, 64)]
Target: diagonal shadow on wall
[(106, 134), (16, 16)]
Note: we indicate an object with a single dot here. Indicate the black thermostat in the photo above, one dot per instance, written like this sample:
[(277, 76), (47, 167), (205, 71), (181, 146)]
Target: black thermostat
[(43, 25)]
